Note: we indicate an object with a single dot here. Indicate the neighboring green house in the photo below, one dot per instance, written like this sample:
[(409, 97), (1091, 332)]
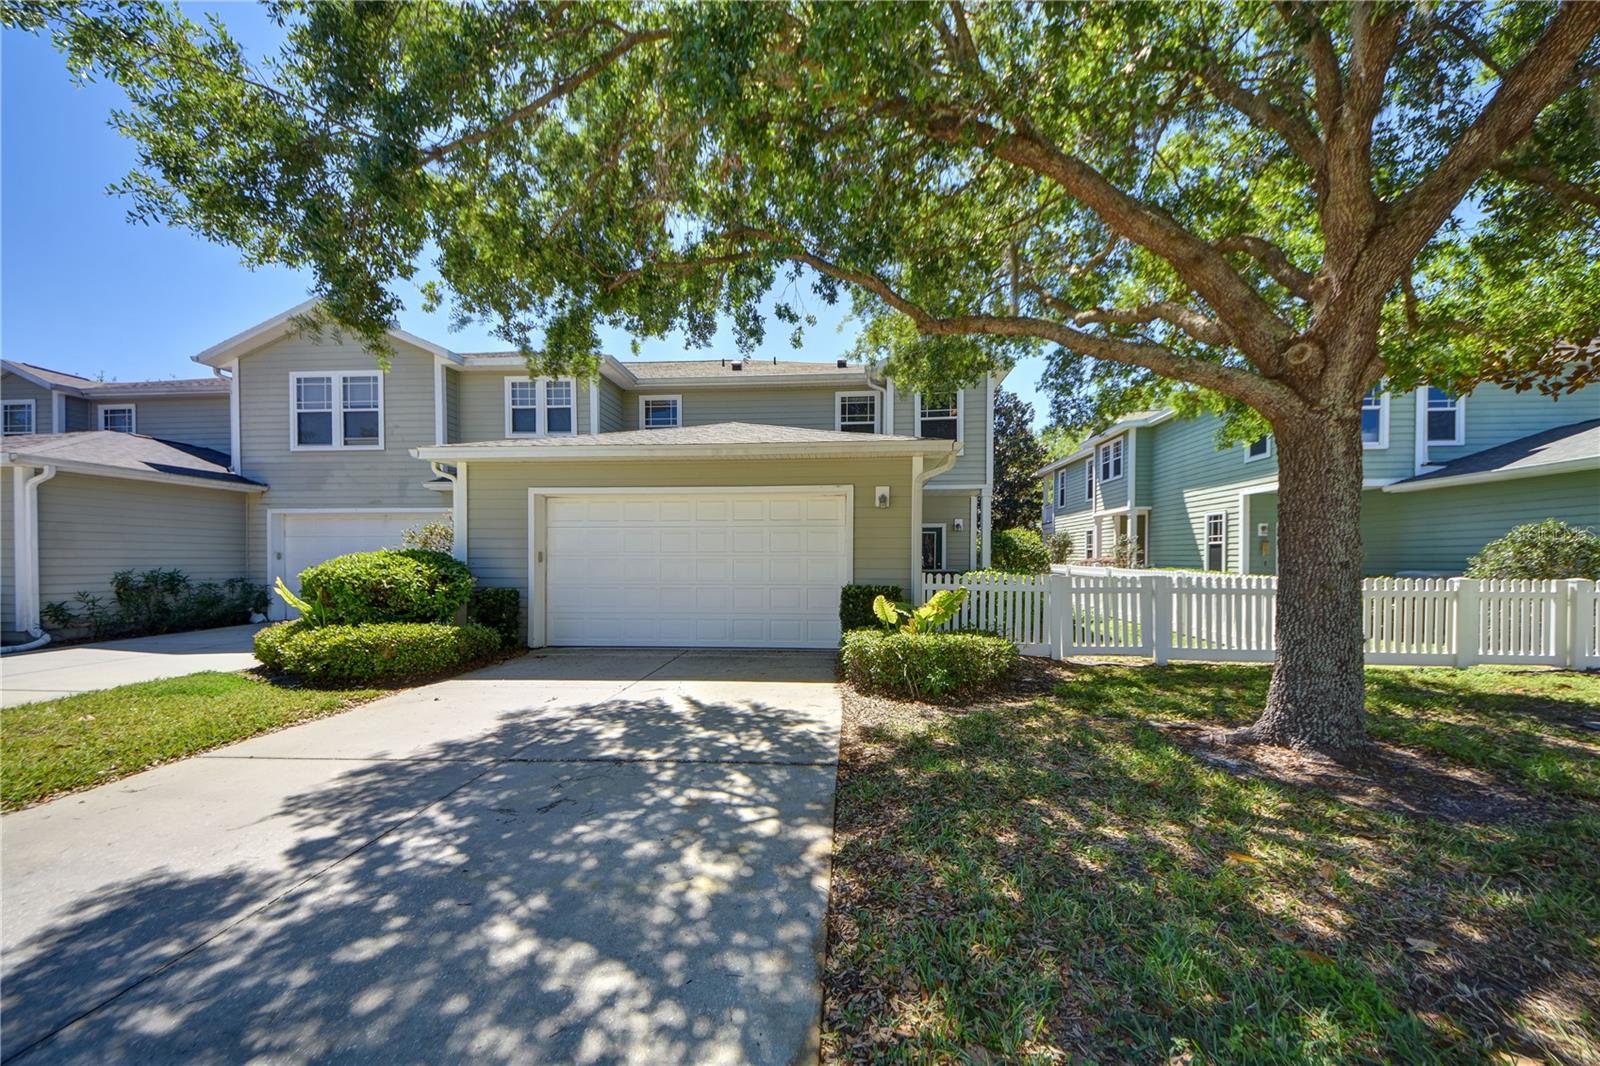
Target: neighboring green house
[(1443, 477)]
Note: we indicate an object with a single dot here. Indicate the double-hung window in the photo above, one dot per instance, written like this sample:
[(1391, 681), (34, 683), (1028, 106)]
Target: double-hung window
[(1375, 419), (18, 417), (1446, 424), (1111, 460), (1216, 541), (939, 417), (118, 418), (1088, 480), (1259, 448), (856, 412), (1061, 489), (660, 412), (536, 407), (336, 409)]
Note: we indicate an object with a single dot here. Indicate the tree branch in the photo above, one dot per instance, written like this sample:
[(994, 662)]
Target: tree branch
[(1296, 132), (1202, 328), (1544, 178), (1320, 53), (1299, 282)]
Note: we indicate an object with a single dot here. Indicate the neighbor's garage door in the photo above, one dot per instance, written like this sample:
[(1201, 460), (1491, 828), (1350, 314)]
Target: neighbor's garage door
[(736, 570), (309, 539)]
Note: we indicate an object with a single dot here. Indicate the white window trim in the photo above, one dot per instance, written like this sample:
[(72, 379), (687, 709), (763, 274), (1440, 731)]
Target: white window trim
[(1061, 489), (944, 542), (1267, 454), (1120, 451), (877, 409), (1088, 478), (541, 418), (33, 415), (961, 415), (1205, 541), (338, 377), (1088, 541), (132, 409), (1383, 423), (1460, 437), (677, 400)]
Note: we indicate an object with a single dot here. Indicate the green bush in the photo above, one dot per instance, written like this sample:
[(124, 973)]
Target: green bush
[(855, 605), (928, 666), (159, 601), (405, 585), (1540, 550), (1018, 551), (499, 610), (380, 651), (1061, 546)]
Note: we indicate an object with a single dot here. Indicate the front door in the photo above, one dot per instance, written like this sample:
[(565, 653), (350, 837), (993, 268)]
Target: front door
[(933, 547)]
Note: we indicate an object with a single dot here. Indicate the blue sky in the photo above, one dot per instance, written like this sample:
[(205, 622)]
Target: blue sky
[(82, 289)]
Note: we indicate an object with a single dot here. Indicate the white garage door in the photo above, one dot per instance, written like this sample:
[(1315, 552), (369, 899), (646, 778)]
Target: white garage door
[(308, 539), (737, 570)]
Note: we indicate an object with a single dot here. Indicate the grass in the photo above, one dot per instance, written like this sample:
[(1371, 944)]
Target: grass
[(1055, 879), (72, 743)]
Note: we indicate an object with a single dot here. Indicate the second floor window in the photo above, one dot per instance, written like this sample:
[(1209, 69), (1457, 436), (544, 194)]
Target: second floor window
[(18, 417), (857, 412), (1111, 460), (1445, 424), (1088, 480), (339, 409), (118, 418), (939, 417), (1259, 448), (537, 406), (660, 412), (1061, 488), (1375, 419)]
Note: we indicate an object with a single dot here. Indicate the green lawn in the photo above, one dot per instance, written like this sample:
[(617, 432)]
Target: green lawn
[(1054, 879), (57, 746)]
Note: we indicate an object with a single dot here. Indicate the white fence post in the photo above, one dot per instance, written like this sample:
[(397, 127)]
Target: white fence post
[(1058, 613), (1466, 590), (1159, 618), (1581, 629)]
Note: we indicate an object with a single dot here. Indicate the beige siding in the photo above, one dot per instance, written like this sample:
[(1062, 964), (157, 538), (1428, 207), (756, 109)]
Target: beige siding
[(483, 404), (15, 388), (497, 516), (942, 509), (794, 406), (91, 527), (8, 552), (452, 406), (972, 466), (80, 415), (200, 420), (613, 401), (341, 479)]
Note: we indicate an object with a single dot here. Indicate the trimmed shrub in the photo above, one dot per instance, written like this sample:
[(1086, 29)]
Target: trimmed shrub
[(925, 666), (405, 585), (1540, 551), (1018, 551), (1060, 547), (855, 605), (380, 651), (497, 609), (159, 601)]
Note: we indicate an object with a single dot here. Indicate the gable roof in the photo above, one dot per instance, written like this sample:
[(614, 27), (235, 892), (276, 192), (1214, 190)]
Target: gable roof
[(719, 440), (126, 455), (1134, 420), (282, 325), (1575, 446), (76, 385), (43, 376)]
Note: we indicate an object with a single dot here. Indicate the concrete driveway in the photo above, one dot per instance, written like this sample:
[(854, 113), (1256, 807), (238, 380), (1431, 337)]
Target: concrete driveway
[(581, 856), (54, 671)]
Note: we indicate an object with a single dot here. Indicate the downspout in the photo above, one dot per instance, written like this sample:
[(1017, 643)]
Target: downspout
[(458, 505), (26, 545), (885, 404), (921, 474)]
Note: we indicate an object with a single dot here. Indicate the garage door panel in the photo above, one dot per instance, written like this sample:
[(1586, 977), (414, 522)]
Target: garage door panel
[(745, 569)]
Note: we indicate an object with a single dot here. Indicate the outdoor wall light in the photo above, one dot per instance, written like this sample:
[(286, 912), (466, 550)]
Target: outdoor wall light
[(880, 496)]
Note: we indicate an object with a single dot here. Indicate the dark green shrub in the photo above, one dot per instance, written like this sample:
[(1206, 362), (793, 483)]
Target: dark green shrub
[(499, 610), (404, 585), (1018, 551), (159, 601), (1061, 546), (927, 666), (1540, 550), (380, 651), (855, 604)]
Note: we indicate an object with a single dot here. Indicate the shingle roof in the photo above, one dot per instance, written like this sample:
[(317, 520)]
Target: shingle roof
[(1567, 444), (189, 386), (657, 369), (720, 433), (129, 452), (57, 377)]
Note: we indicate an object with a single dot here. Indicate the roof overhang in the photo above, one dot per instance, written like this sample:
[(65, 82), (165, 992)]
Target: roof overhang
[(1565, 466), (29, 376), (282, 325), (1117, 429), (76, 466), (113, 393), (532, 451)]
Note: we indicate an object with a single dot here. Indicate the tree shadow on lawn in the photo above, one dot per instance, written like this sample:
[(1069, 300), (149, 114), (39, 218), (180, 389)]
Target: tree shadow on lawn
[(1060, 878), (659, 903)]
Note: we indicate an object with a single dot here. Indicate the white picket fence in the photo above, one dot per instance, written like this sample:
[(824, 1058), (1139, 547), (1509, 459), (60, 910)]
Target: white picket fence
[(1161, 615)]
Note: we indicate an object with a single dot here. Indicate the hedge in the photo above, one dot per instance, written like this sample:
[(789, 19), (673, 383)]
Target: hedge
[(380, 651), (404, 585), (1020, 551), (499, 609), (1545, 550), (855, 605), (927, 666)]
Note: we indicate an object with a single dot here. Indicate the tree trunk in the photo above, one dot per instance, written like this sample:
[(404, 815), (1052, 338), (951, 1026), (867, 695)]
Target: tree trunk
[(1316, 700)]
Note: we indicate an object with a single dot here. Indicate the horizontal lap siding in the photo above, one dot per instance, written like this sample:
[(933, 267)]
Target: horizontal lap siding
[(91, 527), (483, 404), (452, 406), (804, 407), (1399, 459), (81, 416), (1440, 529), (940, 508), (497, 517), (972, 466), (199, 420), (14, 388), (612, 403), (344, 479), (1191, 478)]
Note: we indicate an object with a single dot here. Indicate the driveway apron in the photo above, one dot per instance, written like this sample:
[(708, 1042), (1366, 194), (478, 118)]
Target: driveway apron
[(574, 856)]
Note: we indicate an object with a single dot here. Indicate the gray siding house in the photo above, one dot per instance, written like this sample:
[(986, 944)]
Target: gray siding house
[(1443, 476), (710, 502)]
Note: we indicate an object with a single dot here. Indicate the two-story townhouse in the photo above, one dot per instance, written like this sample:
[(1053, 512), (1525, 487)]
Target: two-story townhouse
[(716, 501), (1443, 476)]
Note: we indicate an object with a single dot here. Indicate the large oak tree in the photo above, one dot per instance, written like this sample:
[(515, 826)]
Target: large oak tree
[(1267, 208)]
